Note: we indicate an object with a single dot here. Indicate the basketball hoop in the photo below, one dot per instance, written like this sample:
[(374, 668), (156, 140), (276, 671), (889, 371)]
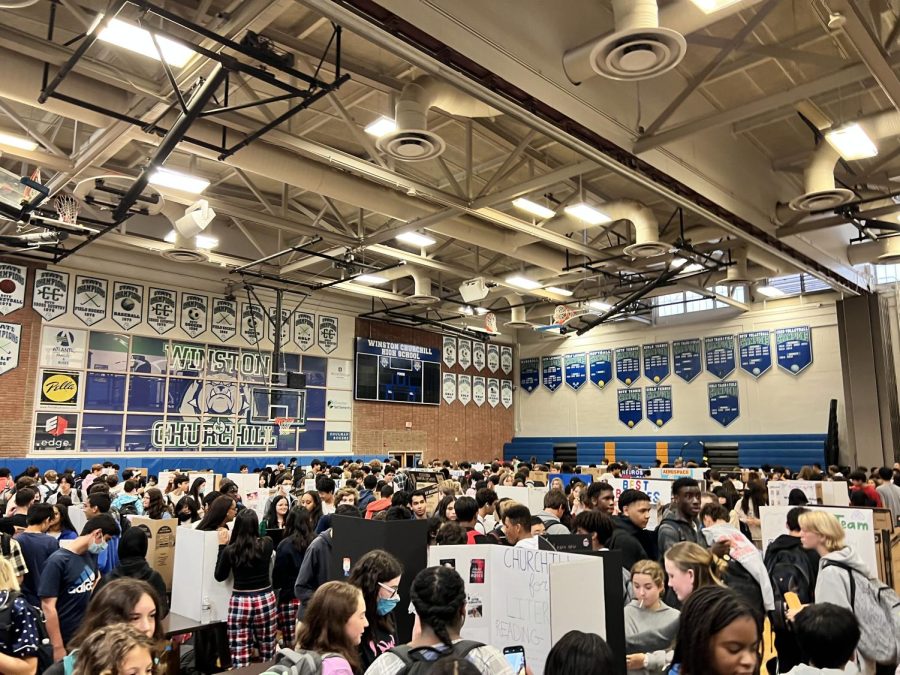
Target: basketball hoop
[(490, 322), (562, 315), (285, 425), (67, 209)]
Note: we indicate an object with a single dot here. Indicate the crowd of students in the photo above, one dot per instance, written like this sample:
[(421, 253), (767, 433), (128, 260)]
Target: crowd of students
[(696, 588)]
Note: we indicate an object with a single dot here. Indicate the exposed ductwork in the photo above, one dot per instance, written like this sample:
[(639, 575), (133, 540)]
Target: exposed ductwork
[(882, 251), (411, 141), (737, 274), (422, 294), (516, 312)]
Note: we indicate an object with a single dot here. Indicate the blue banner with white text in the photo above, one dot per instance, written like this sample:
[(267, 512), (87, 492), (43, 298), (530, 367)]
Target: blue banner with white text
[(628, 364), (656, 361), (719, 355), (724, 406), (686, 357), (600, 367), (755, 351), (793, 348), (530, 374), (576, 370), (659, 404), (631, 406), (552, 372)]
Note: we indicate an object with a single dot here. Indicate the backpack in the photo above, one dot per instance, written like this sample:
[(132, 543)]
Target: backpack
[(45, 648), (299, 662), (417, 663), (788, 572), (738, 579), (876, 607), (127, 509)]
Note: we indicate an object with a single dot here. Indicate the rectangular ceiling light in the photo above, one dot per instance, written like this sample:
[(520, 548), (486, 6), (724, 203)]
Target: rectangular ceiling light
[(138, 40), (370, 279), (851, 141), (588, 214), (178, 181), (201, 241), (16, 141), (533, 208), (416, 239), (523, 282), (559, 291), (770, 291), (381, 127), (599, 304), (710, 6)]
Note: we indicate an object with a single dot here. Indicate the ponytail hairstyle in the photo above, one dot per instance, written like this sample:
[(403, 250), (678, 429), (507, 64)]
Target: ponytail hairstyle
[(374, 568), (709, 570), (324, 624), (439, 596)]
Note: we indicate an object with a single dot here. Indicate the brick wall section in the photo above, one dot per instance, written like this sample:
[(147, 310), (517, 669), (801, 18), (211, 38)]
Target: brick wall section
[(18, 385), (455, 432)]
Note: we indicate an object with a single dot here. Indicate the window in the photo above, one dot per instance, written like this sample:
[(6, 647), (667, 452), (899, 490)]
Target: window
[(887, 274), (690, 301), (799, 284)]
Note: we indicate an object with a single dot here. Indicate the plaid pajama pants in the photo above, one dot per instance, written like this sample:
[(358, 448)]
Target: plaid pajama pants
[(287, 621), (252, 617)]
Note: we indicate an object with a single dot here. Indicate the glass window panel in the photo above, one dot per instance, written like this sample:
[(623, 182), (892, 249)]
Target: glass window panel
[(255, 366), (146, 394), (139, 432), (148, 355), (222, 363), (186, 359), (108, 351), (314, 436), (315, 368), (101, 432), (104, 391)]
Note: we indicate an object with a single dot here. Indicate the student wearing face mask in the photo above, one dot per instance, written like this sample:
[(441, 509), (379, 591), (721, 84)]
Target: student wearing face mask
[(377, 574)]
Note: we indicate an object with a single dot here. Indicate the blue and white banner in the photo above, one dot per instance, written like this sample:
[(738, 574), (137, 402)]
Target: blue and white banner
[(89, 303), (529, 374), (686, 357), (600, 367), (719, 355), (631, 406), (755, 351), (551, 372), (724, 407), (628, 364), (659, 404), (304, 329), (328, 334), (793, 348), (50, 296), (656, 361), (576, 370)]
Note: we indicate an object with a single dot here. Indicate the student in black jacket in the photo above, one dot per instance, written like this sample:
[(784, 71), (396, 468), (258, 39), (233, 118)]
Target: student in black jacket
[(630, 534), (288, 558), (133, 564)]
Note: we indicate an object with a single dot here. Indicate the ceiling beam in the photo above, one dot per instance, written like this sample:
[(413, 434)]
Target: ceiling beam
[(772, 51)]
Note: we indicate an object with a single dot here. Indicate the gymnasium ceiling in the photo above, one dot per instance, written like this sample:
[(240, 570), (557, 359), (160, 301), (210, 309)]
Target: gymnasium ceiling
[(714, 148)]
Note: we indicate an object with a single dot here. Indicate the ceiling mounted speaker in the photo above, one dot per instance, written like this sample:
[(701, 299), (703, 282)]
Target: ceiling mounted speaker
[(473, 290)]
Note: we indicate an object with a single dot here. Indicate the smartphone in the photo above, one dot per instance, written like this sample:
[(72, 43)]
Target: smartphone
[(515, 656)]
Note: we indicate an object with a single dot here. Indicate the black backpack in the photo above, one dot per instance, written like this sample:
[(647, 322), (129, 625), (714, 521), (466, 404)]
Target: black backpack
[(737, 578), (45, 648), (789, 572), (417, 661)]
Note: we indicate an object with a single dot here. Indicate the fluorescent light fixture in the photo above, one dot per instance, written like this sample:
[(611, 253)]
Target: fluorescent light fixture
[(136, 39), (559, 291), (370, 279), (481, 311), (416, 239), (533, 208), (710, 6), (178, 181), (519, 281), (465, 309), (770, 291), (599, 304), (16, 141), (685, 266), (201, 241), (587, 214), (851, 141), (381, 127)]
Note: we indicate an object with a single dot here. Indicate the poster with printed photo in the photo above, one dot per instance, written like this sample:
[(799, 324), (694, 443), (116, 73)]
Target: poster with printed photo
[(194, 313), (127, 304), (162, 309), (51, 293), (12, 287), (89, 303)]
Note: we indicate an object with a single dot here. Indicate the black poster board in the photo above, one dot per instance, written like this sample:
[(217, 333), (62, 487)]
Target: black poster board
[(612, 589), (406, 540)]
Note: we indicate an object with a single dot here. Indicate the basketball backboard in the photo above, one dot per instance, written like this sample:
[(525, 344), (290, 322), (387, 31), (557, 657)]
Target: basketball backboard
[(268, 404)]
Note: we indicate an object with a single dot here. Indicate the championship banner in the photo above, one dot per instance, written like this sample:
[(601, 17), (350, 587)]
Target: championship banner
[(224, 319), (493, 392), (576, 370), (51, 294), (448, 354), (284, 324), (304, 330), (793, 348), (493, 358), (724, 407), (551, 372), (631, 406), (10, 337), (127, 304), (687, 362), (252, 320), (194, 312), (464, 353), (628, 364), (89, 303), (656, 361), (506, 393), (755, 352), (328, 333), (600, 367), (506, 360), (719, 355), (448, 387), (464, 388), (478, 356), (659, 404), (12, 287), (161, 309), (479, 390), (529, 374)]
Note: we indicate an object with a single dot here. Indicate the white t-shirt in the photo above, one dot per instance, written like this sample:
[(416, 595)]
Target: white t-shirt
[(531, 543)]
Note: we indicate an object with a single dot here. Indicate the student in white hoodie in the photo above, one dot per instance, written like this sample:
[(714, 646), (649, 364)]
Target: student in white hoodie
[(828, 635), (646, 614)]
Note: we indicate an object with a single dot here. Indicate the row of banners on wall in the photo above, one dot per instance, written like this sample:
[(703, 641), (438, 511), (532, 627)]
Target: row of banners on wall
[(656, 402), (752, 351), (476, 354), (465, 388), (162, 309)]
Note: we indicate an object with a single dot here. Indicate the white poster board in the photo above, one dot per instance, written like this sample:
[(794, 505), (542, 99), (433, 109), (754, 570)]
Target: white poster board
[(659, 490), (511, 594), (858, 524), (672, 473), (532, 497), (195, 592), (248, 489), (834, 493)]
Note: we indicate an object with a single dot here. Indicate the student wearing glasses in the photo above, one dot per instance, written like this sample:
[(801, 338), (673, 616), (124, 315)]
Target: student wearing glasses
[(377, 574)]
